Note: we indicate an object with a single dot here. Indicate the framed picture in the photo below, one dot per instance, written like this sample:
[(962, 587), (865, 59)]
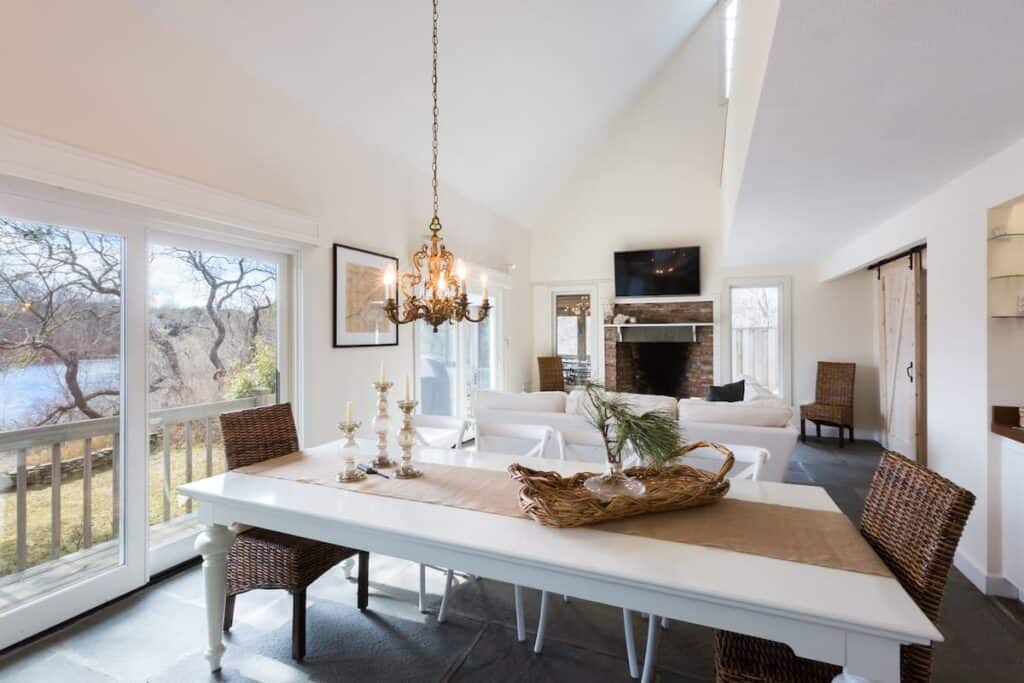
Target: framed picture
[(359, 318)]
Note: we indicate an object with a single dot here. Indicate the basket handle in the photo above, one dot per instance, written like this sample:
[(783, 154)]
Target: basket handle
[(727, 464)]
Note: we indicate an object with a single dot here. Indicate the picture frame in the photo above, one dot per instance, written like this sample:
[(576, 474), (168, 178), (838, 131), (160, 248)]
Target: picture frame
[(358, 293)]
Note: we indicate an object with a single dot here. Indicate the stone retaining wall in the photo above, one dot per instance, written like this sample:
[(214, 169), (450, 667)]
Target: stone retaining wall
[(41, 475)]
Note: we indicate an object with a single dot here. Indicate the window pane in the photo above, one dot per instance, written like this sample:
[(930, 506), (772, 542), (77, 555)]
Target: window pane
[(755, 334), (212, 348), (60, 387), (572, 336), (437, 373)]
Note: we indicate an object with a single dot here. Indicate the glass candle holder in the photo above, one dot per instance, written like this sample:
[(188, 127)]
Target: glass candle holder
[(349, 452), (381, 424)]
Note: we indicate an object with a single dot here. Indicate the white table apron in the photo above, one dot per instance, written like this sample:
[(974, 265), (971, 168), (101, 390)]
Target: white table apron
[(856, 621)]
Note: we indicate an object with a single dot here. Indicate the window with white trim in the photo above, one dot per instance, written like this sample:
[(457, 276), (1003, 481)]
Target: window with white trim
[(757, 335)]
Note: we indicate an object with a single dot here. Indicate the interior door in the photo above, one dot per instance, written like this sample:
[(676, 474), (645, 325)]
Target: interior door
[(901, 342)]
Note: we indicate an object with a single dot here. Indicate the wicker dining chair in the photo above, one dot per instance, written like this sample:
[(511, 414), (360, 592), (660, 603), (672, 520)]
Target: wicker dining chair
[(260, 558), (913, 518), (552, 374), (833, 400)]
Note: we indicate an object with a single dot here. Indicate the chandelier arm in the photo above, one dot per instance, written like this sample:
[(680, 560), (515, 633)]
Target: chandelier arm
[(485, 308)]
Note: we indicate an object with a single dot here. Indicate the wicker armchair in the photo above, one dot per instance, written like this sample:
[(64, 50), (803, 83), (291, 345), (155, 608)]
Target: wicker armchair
[(913, 519), (552, 375), (260, 558), (833, 400)]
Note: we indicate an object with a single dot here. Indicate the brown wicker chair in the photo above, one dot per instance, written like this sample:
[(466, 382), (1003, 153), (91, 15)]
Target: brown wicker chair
[(913, 519), (833, 400), (552, 375), (260, 558)]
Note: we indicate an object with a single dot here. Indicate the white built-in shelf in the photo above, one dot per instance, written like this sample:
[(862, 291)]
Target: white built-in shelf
[(1006, 234)]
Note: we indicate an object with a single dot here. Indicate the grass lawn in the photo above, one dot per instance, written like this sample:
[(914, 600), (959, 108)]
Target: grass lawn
[(71, 507)]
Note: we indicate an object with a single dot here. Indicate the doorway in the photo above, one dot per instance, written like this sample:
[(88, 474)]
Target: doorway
[(902, 298)]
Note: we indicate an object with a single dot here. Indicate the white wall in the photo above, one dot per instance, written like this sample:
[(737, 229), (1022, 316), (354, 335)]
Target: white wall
[(653, 181), (755, 29), (110, 80), (656, 182), (953, 222), (374, 202), (831, 321)]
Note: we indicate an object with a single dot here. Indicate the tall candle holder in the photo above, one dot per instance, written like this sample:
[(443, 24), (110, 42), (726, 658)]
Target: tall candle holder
[(406, 439), (349, 451), (381, 425)]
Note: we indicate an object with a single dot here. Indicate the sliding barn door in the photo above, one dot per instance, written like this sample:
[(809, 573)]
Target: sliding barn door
[(902, 329)]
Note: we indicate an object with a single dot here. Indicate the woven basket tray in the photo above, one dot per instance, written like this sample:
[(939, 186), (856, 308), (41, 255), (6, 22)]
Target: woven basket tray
[(554, 500)]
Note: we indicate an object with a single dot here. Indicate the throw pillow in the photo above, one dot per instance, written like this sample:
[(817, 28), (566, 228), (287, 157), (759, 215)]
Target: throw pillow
[(727, 392)]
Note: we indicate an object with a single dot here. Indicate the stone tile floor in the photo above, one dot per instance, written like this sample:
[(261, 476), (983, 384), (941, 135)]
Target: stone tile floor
[(156, 634)]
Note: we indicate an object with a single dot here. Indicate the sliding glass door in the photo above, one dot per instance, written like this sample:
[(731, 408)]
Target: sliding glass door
[(457, 361), (213, 346), (120, 347), (69, 415)]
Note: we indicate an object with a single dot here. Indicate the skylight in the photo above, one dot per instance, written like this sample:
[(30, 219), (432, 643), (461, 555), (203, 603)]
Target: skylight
[(731, 10)]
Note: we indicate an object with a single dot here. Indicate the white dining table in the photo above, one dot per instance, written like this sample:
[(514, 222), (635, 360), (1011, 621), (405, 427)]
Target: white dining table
[(857, 621)]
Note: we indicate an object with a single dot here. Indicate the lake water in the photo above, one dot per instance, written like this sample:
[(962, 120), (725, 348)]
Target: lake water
[(26, 392)]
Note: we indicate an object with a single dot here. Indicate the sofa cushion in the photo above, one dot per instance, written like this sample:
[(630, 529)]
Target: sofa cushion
[(535, 402), (761, 413), (640, 403), (729, 393)]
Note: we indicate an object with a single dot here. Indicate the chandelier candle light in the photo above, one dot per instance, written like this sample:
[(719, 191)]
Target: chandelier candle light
[(381, 422), (439, 295)]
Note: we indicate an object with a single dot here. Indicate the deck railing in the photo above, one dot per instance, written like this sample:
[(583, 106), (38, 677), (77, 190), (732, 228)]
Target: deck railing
[(56, 438)]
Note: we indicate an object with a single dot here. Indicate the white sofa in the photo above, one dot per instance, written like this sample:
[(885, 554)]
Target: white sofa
[(756, 421)]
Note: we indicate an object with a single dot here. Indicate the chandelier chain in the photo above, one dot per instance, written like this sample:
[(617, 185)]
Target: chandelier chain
[(435, 289), (433, 82)]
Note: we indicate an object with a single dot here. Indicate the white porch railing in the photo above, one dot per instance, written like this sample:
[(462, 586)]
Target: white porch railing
[(55, 438)]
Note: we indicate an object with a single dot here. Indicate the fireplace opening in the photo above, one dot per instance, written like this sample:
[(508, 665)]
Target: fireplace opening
[(661, 368)]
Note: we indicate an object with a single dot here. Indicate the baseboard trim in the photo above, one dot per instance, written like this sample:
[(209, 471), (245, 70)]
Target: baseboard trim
[(988, 584)]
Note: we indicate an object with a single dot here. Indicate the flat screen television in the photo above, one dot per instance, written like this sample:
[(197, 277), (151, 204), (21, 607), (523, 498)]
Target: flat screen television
[(658, 272)]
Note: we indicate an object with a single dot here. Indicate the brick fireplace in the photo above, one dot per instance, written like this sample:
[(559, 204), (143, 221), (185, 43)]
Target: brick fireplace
[(671, 368)]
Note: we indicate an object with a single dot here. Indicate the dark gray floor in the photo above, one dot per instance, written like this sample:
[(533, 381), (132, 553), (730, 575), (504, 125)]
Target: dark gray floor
[(157, 633)]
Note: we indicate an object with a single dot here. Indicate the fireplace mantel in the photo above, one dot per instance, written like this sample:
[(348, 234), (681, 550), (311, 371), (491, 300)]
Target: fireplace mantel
[(640, 366)]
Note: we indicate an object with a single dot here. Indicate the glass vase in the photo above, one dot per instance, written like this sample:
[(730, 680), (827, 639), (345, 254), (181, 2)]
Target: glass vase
[(613, 481)]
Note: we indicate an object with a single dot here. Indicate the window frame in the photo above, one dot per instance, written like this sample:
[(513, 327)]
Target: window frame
[(179, 549), (498, 287), (784, 283), (595, 338)]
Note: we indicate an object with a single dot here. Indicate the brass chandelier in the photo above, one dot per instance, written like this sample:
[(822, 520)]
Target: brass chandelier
[(438, 296)]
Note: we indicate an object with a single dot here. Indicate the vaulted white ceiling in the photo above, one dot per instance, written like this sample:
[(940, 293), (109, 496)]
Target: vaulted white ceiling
[(525, 86), (865, 108)]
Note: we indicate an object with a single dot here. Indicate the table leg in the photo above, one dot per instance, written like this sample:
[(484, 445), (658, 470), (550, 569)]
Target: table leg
[(213, 543), (627, 627), (651, 655)]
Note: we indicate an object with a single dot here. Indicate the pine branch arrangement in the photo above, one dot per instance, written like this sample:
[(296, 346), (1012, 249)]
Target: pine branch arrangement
[(653, 436)]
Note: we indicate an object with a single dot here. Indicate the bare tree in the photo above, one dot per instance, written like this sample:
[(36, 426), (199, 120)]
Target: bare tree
[(230, 280), (61, 294)]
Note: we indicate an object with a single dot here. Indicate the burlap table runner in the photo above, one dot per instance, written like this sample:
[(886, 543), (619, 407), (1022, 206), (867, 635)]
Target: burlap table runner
[(817, 537)]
